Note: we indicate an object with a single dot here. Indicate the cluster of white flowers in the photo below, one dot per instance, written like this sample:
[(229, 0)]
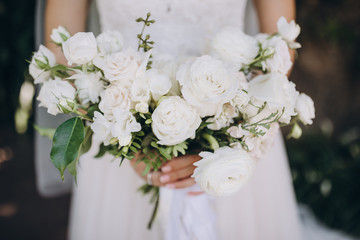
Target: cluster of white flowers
[(214, 98)]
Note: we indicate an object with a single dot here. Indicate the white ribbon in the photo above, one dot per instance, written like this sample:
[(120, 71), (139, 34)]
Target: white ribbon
[(184, 217)]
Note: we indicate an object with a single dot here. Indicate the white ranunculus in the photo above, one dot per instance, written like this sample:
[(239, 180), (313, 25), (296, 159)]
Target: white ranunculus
[(45, 58), (89, 86), (281, 60), (110, 42), (123, 67), (142, 107), (101, 128), (234, 46), (80, 48), (223, 172), (289, 31), (55, 92), (123, 125), (305, 108), (174, 121), (223, 118), (159, 84), (59, 35), (277, 91), (207, 84), (114, 96)]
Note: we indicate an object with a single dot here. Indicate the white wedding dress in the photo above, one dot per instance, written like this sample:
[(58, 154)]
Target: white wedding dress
[(106, 204)]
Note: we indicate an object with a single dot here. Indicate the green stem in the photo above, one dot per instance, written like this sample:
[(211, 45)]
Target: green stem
[(155, 209)]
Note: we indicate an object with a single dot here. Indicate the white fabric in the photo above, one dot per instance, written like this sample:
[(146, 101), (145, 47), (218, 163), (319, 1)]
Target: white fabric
[(106, 204)]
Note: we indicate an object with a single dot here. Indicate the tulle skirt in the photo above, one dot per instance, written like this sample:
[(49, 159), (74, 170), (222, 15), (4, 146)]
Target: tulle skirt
[(107, 205)]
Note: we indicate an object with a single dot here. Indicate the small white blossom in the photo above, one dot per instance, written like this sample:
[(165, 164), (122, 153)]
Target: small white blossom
[(41, 60), (89, 86), (59, 35), (305, 108), (54, 93)]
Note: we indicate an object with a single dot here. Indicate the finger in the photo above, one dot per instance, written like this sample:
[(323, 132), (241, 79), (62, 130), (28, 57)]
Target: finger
[(187, 182), (177, 175), (179, 163), (155, 179), (194, 193)]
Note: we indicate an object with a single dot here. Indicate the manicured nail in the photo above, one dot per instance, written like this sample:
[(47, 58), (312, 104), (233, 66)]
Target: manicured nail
[(166, 169), (171, 186), (164, 179)]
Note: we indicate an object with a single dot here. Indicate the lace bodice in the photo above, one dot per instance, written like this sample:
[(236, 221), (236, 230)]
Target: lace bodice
[(183, 27)]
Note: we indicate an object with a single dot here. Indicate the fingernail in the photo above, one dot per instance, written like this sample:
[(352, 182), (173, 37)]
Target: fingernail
[(166, 169), (164, 179), (171, 186)]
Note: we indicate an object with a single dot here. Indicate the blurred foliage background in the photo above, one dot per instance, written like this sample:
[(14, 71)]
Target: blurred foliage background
[(325, 162)]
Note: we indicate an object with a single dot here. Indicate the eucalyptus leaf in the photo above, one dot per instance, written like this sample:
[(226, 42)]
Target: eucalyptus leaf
[(66, 143)]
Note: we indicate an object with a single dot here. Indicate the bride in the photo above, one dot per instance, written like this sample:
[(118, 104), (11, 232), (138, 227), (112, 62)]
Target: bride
[(106, 204)]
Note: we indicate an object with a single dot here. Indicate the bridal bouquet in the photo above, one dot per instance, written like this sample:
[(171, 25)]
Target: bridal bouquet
[(227, 104)]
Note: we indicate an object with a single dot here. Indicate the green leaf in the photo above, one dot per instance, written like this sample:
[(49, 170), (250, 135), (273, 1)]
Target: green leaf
[(136, 145), (91, 110), (164, 153), (66, 143), (46, 132), (86, 144), (146, 170), (102, 151), (133, 149)]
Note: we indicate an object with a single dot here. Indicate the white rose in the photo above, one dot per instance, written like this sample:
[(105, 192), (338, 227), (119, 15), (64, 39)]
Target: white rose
[(142, 107), (174, 121), (124, 66), (89, 86), (101, 128), (207, 84), (80, 48), (55, 92), (223, 172), (234, 46), (114, 96), (305, 109), (110, 42), (124, 124), (45, 58), (59, 35), (289, 31), (277, 91), (281, 60), (159, 84)]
